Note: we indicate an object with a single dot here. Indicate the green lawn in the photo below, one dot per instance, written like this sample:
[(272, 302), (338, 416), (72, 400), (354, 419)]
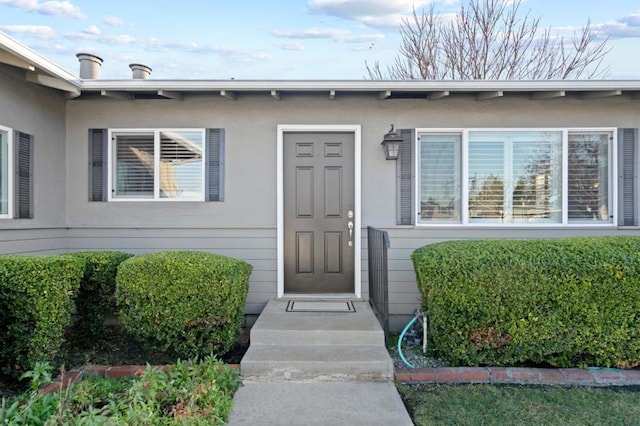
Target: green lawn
[(520, 405)]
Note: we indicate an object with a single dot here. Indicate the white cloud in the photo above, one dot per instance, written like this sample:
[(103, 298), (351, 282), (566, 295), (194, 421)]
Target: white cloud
[(292, 46), (55, 8), (38, 31), (121, 39), (114, 21), (157, 45), (632, 19), (384, 14), (357, 9), (309, 33), (93, 30), (337, 35), (380, 14), (626, 27), (364, 38)]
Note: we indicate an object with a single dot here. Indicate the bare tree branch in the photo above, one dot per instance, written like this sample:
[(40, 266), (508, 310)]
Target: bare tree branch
[(491, 40)]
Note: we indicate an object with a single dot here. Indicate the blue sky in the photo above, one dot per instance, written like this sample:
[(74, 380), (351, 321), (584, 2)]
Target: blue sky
[(260, 39)]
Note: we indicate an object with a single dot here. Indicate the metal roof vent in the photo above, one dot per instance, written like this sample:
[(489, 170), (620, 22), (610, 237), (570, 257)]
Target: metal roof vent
[(140, 72), (89, 66)]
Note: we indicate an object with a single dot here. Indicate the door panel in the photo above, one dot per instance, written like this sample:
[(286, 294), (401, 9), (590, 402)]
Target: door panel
[(318, 195)]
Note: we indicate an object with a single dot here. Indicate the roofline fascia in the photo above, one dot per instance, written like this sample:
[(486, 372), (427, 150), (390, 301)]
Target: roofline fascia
[(28, 55), (361, 85)]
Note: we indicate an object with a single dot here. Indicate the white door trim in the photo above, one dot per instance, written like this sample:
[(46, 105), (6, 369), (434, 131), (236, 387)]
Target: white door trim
[(357, 137)]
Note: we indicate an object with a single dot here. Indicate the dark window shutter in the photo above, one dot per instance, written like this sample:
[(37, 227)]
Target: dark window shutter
[(98, 167), (628, 177), (404, 179), (24, 176), (214, 181)]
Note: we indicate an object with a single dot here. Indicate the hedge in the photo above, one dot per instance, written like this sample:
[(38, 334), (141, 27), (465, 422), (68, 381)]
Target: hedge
[(96, 297), (36, 302), (188, 303), (562, 303)]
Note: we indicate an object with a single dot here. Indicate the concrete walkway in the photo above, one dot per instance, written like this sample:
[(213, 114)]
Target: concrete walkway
[(318, 403), (317, 368)]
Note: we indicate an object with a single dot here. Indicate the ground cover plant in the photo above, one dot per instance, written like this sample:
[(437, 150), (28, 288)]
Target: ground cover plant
[(189, 392), (565, 303), (520, 405), (189, 303)]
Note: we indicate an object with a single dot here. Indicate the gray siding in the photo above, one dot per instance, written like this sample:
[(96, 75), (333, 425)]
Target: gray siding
[(40, 112), (33, 241), (244, 224), (254, 245)]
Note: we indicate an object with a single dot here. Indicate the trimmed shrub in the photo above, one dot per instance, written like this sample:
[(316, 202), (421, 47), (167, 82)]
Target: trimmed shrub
[(188, 303), (36, 301), (564, 303), (96, 297)]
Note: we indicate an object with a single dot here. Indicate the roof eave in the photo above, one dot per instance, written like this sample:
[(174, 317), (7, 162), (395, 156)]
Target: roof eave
[(39, 69), (473, 86)]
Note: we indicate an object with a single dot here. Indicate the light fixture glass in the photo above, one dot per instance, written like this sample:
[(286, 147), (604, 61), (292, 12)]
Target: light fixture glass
[(391, 144)]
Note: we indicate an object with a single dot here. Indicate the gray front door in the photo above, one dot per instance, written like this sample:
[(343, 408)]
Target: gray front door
[(318, 212)]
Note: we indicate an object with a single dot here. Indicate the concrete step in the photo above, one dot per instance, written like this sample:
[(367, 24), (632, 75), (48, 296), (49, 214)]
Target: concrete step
[(275, 326), (317, 345), (319, 362)]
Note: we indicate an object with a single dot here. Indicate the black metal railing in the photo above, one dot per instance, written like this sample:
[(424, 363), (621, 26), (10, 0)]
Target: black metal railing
[(378, 243)]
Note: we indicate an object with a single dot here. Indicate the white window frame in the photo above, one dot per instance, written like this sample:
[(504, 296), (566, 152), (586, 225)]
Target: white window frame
[(156, 175), (464, 214), (10, 171)]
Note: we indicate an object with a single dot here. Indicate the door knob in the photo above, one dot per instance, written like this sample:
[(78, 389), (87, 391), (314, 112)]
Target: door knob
[(350, 226)]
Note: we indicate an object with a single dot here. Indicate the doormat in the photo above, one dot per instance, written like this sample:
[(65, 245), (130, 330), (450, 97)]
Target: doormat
[(305, 306)]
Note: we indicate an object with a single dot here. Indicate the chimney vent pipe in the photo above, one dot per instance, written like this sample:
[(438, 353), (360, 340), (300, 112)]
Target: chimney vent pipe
[(89, 66), (140, 72)]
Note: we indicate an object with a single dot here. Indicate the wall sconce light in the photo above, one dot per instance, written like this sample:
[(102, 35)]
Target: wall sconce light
[(391, 144)]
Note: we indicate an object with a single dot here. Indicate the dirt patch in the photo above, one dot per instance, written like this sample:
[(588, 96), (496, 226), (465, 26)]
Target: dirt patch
[(116, 347)]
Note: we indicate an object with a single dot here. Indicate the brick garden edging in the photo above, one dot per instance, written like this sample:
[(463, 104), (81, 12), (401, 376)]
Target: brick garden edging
[(443, 375), (76, 374), (522, 376)]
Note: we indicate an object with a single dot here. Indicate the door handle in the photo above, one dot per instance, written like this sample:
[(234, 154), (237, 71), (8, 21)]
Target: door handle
[(350, 226)]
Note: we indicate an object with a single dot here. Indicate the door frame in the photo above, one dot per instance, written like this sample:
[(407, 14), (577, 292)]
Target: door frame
[(355, 129)]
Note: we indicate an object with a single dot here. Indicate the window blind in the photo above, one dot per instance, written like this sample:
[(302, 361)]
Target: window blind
[(440, 156), (588, 185), (134, 171)]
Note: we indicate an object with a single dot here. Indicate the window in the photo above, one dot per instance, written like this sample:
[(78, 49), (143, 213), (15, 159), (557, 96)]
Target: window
[(515, 176), (157, 164), (139, 165), (6, 194), (588, 191), (440, 177)]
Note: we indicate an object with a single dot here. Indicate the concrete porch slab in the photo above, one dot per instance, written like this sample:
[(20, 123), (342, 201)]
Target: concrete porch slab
[(276, 326)]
